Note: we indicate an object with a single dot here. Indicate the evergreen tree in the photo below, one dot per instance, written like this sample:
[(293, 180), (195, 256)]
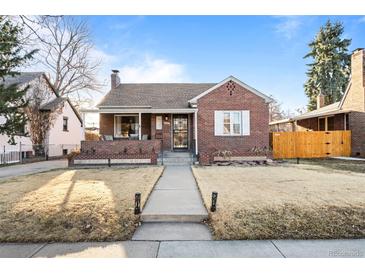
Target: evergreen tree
[(330, 71), (12, 100)]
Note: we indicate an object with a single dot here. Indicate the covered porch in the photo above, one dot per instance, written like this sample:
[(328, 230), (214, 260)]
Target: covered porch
[(176, 129)]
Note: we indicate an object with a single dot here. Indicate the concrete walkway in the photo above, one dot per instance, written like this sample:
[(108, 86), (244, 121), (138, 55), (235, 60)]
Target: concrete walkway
[(175, 209), (191, 249), (31, 168), (175, 198)]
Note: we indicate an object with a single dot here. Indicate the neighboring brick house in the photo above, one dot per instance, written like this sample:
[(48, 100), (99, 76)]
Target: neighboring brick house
[(201, 118), (66, 132), (347, 114)]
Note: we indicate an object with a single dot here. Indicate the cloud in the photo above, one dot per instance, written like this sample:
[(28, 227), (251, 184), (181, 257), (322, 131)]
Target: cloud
[(139, 67), (153, 70), (288, 26), (136, 67)]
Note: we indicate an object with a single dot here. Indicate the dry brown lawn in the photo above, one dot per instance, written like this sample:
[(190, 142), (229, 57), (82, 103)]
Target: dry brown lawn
[(73, 205), (284, 202)]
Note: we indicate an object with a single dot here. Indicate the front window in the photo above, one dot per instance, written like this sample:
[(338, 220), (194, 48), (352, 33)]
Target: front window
[(232, 123), (126, 126)]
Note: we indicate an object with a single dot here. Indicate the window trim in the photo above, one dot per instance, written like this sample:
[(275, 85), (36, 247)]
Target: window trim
[(231, 123)]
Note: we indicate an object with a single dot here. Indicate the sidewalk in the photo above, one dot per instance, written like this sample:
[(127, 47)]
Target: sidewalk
[(31, 168), (190, 249)]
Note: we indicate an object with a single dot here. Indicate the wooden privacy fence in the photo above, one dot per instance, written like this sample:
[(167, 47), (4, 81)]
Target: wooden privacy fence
[(311, 144)]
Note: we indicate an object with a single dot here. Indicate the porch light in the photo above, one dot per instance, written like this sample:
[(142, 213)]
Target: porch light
[(137, 203), (213, 207)]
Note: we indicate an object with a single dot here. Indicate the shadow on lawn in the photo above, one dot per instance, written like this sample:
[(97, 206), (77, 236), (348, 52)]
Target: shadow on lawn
[(68, 205)]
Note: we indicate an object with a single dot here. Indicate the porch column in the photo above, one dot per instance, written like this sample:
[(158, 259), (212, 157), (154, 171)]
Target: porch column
[(196, 131), (139, 126)]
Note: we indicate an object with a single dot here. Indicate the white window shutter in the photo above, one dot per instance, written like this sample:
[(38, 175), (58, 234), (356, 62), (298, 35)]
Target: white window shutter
[(218, 122), (245, 122)]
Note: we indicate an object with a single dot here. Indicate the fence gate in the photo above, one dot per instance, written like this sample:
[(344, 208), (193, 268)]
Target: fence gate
[(311, 144)]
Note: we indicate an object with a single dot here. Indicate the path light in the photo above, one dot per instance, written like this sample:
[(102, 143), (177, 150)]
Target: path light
[(137, 203), (214, 201)]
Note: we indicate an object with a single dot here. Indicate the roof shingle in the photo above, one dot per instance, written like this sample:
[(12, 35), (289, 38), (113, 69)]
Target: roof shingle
[(52, 105), (156, 96)]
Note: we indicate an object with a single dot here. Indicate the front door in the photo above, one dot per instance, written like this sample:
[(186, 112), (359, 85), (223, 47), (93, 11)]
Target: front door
[(180, 132)]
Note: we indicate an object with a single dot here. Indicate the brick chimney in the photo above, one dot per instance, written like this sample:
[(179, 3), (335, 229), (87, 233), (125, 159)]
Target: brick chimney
[(115, 80), (320, 101), (355, 98)]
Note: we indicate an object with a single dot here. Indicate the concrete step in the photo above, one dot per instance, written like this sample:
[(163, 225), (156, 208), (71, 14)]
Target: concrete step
[(177, 161), (174, 163), (169, 154), (165, 217), (172, 232)]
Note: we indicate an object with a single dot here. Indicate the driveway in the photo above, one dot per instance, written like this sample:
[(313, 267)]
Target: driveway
[(25, 169)]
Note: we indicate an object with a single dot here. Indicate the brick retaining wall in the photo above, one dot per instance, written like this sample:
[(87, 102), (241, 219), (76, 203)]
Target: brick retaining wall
[(135, 150)]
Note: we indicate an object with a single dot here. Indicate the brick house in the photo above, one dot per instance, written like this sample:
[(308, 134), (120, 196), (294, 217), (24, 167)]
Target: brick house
[(139, 120), (347, 114)]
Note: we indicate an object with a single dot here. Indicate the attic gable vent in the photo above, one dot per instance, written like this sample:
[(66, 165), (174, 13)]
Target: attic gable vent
[(230, 87)]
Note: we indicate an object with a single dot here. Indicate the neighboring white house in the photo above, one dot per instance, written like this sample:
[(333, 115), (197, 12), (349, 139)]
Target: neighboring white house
[(67, 131)]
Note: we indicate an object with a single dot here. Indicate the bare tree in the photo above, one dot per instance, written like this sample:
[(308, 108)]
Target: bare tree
[(65, 50), (275, 111), (40, 120)]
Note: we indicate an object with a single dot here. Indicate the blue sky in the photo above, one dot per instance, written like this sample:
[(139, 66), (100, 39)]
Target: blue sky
[(265, 52)]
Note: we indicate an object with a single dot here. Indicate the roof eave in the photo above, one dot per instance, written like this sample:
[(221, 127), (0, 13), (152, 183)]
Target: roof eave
[(324, 114), (232, 78)]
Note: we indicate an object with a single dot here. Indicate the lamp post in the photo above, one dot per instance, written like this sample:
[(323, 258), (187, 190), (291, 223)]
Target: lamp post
[(213, 207), (137, 203)]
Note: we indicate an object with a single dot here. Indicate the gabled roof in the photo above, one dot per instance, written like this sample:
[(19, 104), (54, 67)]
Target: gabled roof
[(53, 104), (21, 78), (164, 95), (234, 79), (25, 77), (153, 95)]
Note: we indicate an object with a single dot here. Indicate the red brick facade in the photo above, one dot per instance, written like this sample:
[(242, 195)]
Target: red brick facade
[(120, 149), (239, 99)]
